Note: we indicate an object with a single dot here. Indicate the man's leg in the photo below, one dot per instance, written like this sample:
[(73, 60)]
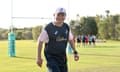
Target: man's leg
[(53, 68), (63, 68)]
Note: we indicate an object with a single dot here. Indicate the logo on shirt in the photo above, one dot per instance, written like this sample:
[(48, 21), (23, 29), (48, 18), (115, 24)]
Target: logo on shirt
[(61, 38), (56, 32)]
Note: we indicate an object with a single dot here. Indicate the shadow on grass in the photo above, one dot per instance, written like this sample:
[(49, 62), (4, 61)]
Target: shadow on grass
[(101, 55), (107, 46), (25, 57), (99, 69)]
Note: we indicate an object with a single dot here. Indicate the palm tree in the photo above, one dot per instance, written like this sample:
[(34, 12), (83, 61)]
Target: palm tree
[(107, 12)]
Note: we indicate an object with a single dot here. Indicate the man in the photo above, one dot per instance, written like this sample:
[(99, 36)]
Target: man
[(56, 35)]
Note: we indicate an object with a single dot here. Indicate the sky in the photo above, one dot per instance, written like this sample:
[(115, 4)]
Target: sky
[(30, 13)]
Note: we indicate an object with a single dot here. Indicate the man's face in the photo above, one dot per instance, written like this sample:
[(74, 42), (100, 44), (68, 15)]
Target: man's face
[(60, 17)]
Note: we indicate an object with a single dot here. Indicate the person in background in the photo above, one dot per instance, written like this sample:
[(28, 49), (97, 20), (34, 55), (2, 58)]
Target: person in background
[(93, 39), (90, 39), (86, 40), (78, 41), (83, 40)]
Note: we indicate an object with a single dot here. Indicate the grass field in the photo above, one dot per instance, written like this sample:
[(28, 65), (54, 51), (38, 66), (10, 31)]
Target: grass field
[(105, 57)]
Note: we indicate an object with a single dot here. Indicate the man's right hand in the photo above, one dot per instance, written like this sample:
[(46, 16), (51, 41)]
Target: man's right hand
[(39, 62)]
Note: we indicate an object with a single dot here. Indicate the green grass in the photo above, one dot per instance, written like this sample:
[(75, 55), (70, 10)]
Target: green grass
[(105, 57)]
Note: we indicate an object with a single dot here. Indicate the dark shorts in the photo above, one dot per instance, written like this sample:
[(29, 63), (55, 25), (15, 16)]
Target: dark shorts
[(56, 63), (90, 41), (83, 41), (93, 40), (78, 41)]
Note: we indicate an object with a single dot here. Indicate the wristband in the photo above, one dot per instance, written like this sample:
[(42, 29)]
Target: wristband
[(75, 52)]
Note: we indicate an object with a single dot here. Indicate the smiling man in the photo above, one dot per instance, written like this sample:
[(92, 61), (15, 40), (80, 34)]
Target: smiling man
[(55, 36)]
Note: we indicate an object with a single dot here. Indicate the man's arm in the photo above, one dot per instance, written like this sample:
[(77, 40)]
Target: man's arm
[(72, 43), (39, 58), (42, 38), (76, 57)]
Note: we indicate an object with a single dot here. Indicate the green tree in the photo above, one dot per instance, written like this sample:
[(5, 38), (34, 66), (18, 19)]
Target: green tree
[(3, 33), (91, 26), (85, 25), (19, 35), (27, 35), (107, 12), (36, 32), (114, 21), (104, 29), (118, 31), (75, 27)]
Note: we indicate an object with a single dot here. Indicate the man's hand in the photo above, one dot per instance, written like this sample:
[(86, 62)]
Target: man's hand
[(39, 62), (76, 57)]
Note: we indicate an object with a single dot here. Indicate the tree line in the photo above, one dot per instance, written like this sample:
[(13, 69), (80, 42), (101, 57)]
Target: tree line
[(104, 27), (31, 33)]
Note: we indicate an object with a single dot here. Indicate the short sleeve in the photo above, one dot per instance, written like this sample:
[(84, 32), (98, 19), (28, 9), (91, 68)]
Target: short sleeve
[(43, 36), (70, 35)]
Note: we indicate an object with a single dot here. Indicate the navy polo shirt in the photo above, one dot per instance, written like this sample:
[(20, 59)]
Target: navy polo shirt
[(58, 37)]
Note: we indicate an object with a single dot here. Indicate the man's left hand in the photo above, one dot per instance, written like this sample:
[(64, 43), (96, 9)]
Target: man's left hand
[(76, 57)]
